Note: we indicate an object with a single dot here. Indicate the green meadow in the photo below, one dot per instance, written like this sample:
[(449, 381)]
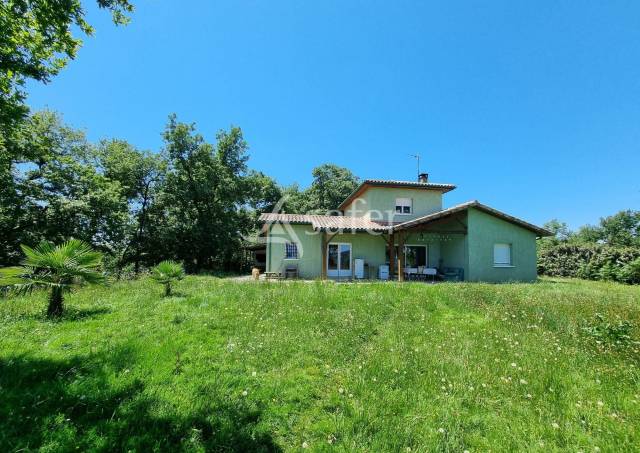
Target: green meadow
[(223, 365)]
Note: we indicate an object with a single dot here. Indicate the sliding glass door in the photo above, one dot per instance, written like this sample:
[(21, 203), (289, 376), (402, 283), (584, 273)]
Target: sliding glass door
[(339, 260)]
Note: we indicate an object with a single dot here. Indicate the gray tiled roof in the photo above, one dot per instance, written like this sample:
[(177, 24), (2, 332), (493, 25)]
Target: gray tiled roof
[(425, 185)]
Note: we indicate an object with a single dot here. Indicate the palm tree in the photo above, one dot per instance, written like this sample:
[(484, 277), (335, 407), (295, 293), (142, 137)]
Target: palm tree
[(60, 268), (166, 273)]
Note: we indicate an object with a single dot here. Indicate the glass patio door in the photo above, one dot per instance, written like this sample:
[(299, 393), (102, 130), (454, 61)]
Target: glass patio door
[(339, 260)]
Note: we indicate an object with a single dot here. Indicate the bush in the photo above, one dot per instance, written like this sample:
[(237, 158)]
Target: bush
[(167, 273), (630, 272), (591, 262)]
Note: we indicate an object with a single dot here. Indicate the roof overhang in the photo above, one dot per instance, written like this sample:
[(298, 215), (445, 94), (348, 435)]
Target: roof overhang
[(475, 204)]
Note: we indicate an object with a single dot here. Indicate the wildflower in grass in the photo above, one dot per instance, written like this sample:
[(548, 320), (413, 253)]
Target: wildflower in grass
[(245, 393), (600, 404), (554, 425), (529, 396), (340, 390), (254, 374), (513, 364), (523, 382), (305, 445), (441, 430)]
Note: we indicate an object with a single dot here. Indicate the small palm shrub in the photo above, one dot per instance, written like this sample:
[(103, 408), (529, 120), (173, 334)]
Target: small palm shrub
[(167, 273), (59, 269), (9, 277)]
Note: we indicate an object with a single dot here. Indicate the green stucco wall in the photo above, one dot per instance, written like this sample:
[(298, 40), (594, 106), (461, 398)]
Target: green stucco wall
[(309, 253), (484, 231), (369, 247), (473, 252), (383, 199)]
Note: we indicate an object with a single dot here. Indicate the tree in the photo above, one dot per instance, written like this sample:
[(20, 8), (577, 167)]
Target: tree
[(56, 192), (36, 42), (140, 175), (59, 269), (331, 185), (561, 233), (620, 229), (204, 202), (167, 273)]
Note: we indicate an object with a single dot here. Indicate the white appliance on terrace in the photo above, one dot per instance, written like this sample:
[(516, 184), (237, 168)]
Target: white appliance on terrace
[(383, 272), (358, 266)]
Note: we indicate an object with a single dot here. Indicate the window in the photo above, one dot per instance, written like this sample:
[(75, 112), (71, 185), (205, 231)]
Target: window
[(414, 255), (502, 254), (403, 206), (291, 251)]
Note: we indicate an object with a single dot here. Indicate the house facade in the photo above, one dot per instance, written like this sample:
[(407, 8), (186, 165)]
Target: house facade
[(399, 230)]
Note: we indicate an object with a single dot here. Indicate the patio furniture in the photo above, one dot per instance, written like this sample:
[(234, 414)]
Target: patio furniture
[(291, 271)]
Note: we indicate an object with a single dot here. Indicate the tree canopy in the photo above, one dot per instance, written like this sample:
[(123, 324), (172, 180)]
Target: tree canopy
[(36, 42)]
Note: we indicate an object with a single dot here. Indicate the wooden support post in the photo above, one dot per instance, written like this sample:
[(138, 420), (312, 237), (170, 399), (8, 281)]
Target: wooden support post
[(323, 266), (400, 257), (392, 256)]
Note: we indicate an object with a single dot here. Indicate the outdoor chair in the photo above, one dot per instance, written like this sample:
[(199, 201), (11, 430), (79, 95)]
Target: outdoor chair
[(291, 271)]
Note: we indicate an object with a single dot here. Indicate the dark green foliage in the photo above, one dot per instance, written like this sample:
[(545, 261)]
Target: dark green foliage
[(590, 261), (331, 185), (194, 202), (608, 251), (630, 272), (606, 333), (36, 42)]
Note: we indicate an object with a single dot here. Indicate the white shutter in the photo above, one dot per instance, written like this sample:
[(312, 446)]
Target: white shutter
[(502, 254)]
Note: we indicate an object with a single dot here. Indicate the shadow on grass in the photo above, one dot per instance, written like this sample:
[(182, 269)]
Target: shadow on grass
[(77, 314), (75, 405)]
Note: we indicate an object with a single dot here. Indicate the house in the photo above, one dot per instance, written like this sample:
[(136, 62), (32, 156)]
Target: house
[(400, 229)]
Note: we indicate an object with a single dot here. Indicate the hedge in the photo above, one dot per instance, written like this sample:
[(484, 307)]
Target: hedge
[(590, 261)]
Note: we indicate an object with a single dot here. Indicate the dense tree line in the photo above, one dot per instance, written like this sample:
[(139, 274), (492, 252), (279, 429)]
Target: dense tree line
[(607, 251), (193, 201)]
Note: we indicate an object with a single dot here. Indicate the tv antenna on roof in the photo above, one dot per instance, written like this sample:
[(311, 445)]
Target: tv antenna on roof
[(416, 157)]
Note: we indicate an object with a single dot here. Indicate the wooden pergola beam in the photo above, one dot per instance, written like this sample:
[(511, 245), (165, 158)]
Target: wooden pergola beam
[(392, 254), (401, 256)]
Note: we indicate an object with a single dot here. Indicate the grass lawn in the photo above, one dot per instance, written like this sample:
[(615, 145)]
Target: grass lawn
[(233, 366)]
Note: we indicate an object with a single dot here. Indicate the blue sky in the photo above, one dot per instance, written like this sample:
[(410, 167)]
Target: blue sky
[(530, 107)]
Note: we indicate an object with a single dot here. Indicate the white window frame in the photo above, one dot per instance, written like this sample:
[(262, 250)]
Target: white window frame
[(403, 203), (286, 249), (502, 263)]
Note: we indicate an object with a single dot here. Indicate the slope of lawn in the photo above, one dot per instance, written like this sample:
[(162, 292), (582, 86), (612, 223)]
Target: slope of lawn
[(230, 366)]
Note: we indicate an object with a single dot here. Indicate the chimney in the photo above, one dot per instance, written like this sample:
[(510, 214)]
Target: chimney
[(423, 177)]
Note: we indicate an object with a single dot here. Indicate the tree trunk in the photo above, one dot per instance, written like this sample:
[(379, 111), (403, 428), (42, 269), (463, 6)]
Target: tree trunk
[(167, 289), (55, 303)]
